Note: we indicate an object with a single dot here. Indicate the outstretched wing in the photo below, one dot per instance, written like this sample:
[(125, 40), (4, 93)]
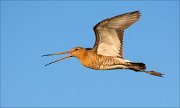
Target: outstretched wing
[(109, 34)]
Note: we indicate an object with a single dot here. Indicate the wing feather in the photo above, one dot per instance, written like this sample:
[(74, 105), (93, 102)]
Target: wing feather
[(109, 34)]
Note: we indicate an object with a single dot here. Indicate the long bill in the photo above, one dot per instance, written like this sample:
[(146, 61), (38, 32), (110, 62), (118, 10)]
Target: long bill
[(58, 53), (58, 60)]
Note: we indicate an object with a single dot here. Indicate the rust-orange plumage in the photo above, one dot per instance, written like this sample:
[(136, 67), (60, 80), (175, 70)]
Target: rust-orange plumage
[(107, 53)]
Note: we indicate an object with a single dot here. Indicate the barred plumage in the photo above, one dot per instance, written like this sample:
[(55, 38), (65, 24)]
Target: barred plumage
[(107, 52)]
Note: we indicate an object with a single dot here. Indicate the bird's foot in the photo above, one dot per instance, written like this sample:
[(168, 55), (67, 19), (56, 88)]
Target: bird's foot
[(155, 73)]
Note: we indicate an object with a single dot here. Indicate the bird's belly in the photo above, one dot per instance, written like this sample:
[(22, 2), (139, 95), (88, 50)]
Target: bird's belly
[(113, 67), (95, 66), (104, 63)]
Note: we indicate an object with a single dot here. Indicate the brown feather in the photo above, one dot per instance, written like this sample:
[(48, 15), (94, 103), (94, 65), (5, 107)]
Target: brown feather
[(117, 23)]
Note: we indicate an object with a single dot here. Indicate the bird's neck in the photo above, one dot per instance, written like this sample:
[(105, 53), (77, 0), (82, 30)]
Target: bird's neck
[(87, 58), (82, 55)]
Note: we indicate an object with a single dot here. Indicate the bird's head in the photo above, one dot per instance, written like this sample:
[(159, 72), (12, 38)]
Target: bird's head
[(74, 52)]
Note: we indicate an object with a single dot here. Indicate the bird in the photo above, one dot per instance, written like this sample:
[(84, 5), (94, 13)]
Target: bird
[(107, 52)]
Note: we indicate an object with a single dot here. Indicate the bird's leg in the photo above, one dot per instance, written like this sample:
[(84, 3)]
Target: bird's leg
[(153, 73), (58, 53), (58, 60)]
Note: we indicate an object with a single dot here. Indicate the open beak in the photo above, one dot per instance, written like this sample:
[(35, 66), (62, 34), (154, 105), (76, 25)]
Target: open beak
[(58, 53)]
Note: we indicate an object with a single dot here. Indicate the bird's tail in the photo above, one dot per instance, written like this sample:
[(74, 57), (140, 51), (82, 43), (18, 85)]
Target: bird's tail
[(140, 67), (136, 66)]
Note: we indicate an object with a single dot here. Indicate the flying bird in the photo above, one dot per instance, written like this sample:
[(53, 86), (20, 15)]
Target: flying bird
[(107, 52)]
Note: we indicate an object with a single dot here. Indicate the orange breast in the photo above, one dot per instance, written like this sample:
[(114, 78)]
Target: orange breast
[(95, 61), (90, 59)]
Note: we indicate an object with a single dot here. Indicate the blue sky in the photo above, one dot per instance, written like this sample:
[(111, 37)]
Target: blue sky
[(30, 29)]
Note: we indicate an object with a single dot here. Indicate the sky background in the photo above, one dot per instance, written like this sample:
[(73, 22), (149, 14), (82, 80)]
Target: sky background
[(30, 29)]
